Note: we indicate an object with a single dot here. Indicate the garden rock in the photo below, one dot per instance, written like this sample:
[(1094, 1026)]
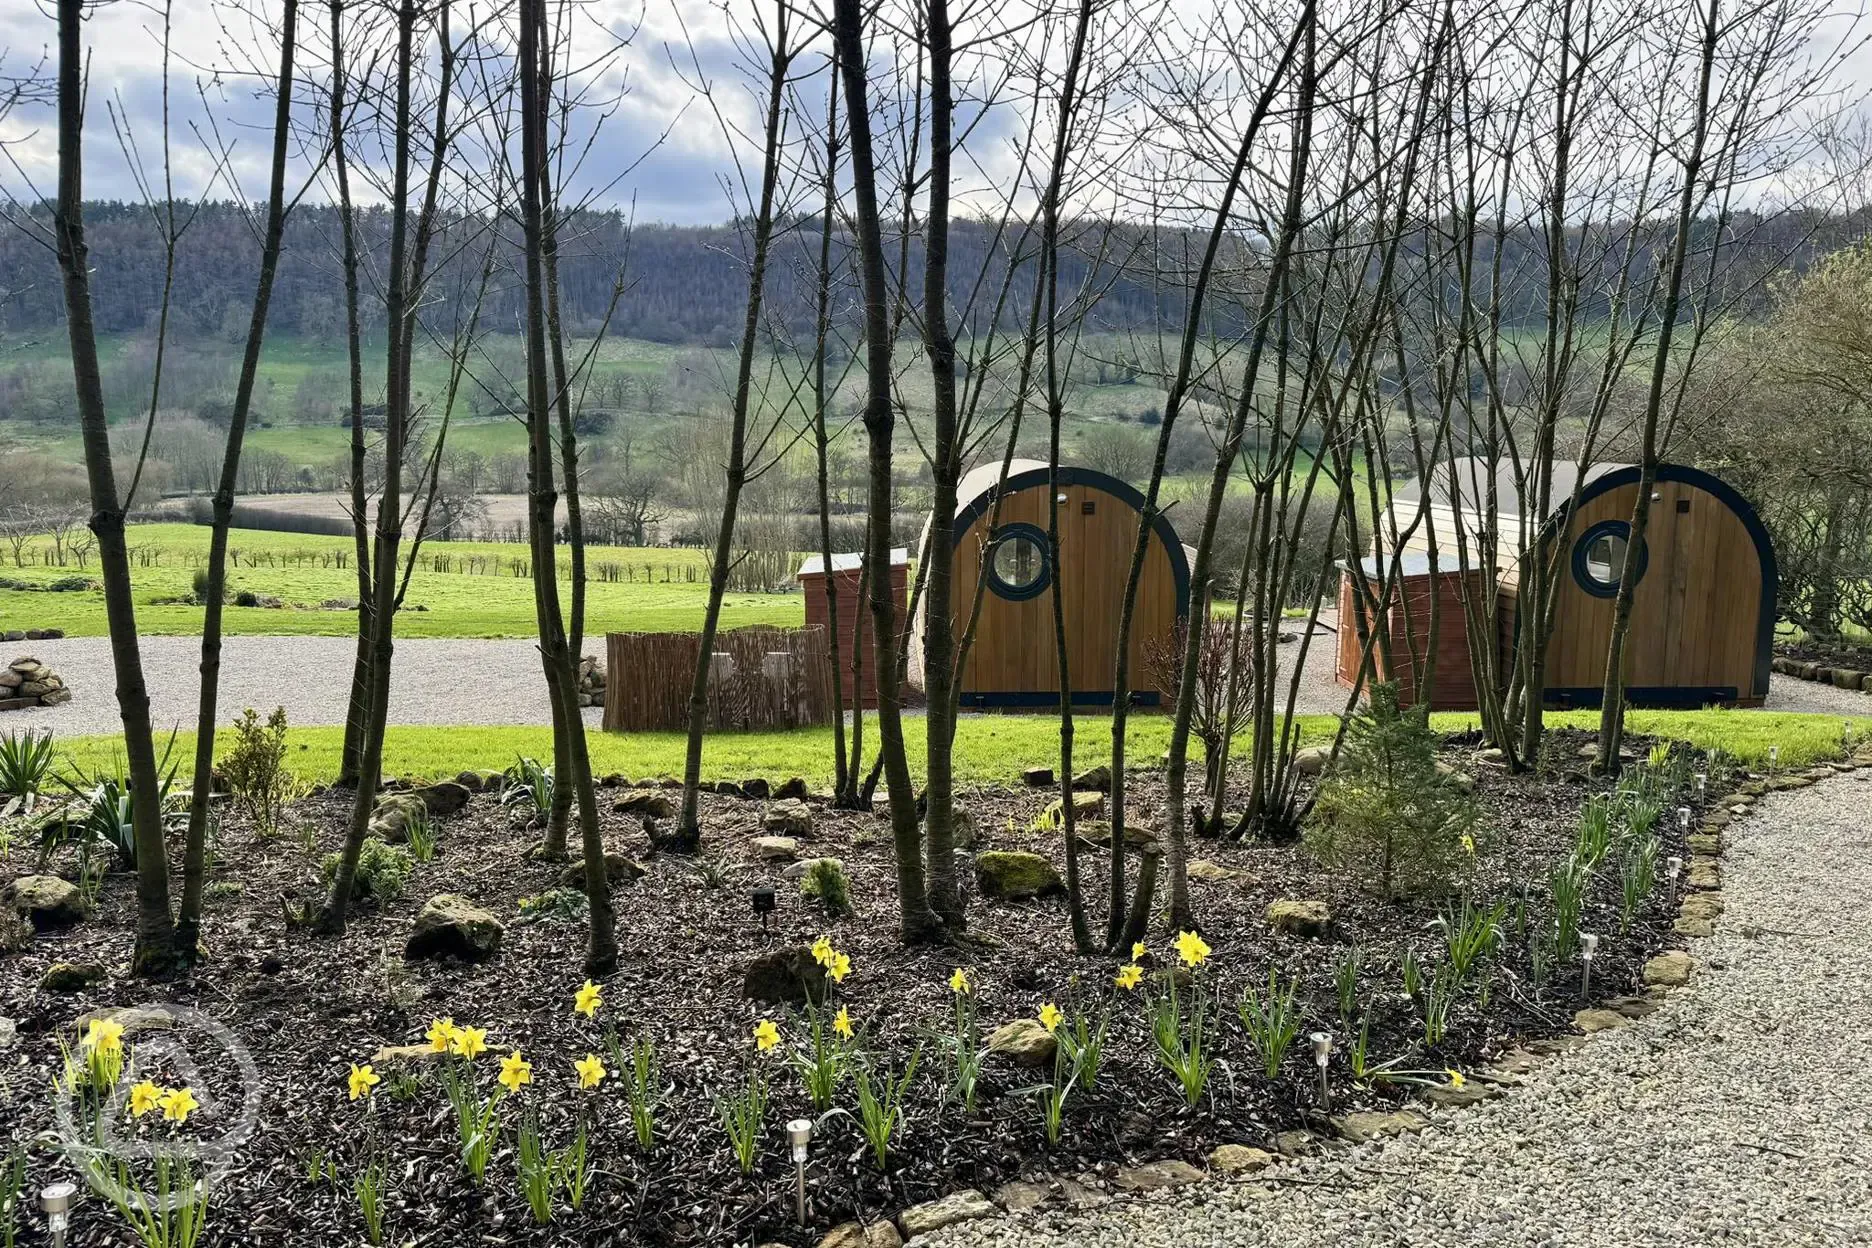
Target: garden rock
[(1705, 873), (1846, 678), (963, 1206), (393, 1056), (618, 870), (1449, 1096), (1705, 843), (1312, 760), (1214, 873), (1461, 781), (794, 787), (1597, 1020), (1014, 875), (393, 814), (776, 848), (480, 780), (1702, 906), (1037, 777), (804, 867), (1095, 778), (785, 976), (1098, 833), (1669, 970), (47, 900), (759, 789), (788, 817), (1239, 1159), (1299, 918), (728, 788), (1693, 927), (444, 799), (1153, 1175), (71, 976), (452, 926), (646, 803), (858, 1235), (1368, 1125), (1024, 1042)]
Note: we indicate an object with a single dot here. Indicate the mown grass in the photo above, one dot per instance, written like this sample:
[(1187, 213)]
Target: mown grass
[(667, 593), (990, 749)]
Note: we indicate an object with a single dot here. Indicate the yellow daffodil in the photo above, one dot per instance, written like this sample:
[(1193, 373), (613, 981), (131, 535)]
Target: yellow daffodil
[(1128, 976), (468, 1042), (1138, 951), (516, 1072), (1192, 948), (144, 1097), (1050, 1016), (590, 1070), (822, 950), (588, 1000), (1468, 844), (766, 1035), (1456, 1079), (959, 982), (104, 1035), (362, 1079), (842, 1024), (441, 1034), (177, 1104), (839, 967)]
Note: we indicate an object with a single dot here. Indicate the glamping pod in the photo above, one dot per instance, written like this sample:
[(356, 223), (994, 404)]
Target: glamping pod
[(1013, 662), (1703, 611)]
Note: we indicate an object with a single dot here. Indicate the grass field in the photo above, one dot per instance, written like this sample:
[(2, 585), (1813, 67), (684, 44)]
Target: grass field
[(990, 749), (667, 590)]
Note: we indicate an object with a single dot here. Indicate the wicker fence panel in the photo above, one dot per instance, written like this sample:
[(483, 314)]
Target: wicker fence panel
[(762, 677)]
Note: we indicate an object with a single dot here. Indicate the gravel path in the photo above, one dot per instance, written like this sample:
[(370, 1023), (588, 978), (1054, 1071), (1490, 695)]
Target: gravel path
[(464, 682), (1736, 1115), (453, 681)]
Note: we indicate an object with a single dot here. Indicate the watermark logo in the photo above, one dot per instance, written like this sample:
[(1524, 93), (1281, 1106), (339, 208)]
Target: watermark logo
[(144, 1157)]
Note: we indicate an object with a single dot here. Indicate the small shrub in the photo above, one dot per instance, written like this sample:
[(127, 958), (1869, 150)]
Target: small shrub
[(419, 834), (200, 585), (528, 784), (255, 771), (1386, 812), (382, 871), (825, 879), (25, 762), (1272, 1021)]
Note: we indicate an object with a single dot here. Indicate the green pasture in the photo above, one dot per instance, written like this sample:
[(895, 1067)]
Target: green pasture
[(658, 590)]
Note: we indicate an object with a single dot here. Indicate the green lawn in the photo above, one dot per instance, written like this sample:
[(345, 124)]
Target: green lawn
[(481, 594), (990, 749)]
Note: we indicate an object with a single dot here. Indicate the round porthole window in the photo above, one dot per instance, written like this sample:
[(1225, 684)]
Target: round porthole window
[(1018, 566), (1599, 557)]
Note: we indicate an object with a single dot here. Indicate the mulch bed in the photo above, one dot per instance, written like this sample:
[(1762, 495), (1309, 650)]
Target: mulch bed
[(308, 1007)]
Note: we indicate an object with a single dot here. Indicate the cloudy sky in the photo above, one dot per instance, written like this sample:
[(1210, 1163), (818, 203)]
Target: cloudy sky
[(662, 150)]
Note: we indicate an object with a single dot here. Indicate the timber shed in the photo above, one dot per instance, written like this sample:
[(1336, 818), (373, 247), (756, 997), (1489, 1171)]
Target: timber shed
[(1704, 609), (1014, 660), (851, 590)]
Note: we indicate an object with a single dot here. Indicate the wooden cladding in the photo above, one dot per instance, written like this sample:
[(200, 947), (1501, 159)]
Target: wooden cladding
[(1408, 633), (763, 677), (854, 622), (1014, 659)]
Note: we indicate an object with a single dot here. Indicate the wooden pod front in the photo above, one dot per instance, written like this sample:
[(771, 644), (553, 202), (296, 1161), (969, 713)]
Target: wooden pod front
[(1014, 659), (1703, 610)]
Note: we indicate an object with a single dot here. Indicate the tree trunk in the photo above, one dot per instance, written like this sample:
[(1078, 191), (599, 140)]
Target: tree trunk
[(155, 934), (688, 827), (919, 922), (195, 854)]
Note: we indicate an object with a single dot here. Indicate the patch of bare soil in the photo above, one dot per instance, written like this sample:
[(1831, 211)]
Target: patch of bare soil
[(308, 1007)]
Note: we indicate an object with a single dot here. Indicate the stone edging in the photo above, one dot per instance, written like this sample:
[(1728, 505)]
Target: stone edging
[(1699, 907), (1838, 677)]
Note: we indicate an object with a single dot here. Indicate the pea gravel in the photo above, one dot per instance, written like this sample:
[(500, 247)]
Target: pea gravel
[(1738, 1114)]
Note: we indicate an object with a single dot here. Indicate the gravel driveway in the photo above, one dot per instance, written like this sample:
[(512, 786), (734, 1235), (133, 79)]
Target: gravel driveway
[(432, 681), (1738, 1114), (473, 681)]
